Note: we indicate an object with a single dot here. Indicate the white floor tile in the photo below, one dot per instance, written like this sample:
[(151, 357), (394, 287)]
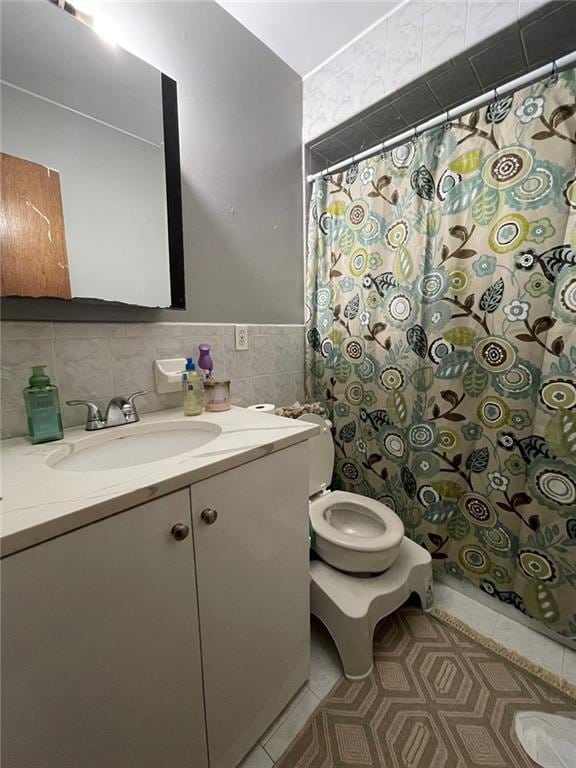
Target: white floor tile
[(290, 723), (274, 726), (442, 595), (325, 665), (470, 611), (257, 758), (530, 644), (569, 666)]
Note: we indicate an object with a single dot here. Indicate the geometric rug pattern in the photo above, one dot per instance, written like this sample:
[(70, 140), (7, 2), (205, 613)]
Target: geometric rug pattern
[(435, 699)]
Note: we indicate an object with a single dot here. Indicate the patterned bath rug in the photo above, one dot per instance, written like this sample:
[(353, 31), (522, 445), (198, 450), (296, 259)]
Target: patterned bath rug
[(440, 696)]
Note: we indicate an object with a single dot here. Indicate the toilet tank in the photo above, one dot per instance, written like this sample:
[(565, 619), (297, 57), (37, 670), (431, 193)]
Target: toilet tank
[(321, 451)]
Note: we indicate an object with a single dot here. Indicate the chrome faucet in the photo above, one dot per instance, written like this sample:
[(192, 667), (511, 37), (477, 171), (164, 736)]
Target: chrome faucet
[(120, 410)]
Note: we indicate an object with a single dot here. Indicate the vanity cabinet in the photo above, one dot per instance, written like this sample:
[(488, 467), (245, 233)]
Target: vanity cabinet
[(253, 587), (100, 646), (133, 644)]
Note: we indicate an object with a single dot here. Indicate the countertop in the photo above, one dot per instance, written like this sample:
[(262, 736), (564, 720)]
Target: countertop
[(41, 502)]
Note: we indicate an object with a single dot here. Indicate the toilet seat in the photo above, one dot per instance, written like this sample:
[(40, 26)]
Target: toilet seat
[(355, 522), (354, 533)]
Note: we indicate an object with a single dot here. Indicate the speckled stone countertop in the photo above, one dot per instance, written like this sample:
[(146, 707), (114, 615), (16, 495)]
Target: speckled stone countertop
[(41, 501)]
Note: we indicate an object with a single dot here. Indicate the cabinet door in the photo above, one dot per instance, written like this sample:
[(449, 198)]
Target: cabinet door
[(253, 587), (100, 647)]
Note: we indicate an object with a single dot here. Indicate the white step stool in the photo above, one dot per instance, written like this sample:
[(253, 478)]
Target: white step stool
[(351, 606)]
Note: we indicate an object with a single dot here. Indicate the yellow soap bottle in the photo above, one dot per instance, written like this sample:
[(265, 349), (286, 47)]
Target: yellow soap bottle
[(193, 389)]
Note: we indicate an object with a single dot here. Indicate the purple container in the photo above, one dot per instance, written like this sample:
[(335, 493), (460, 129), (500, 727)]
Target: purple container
[(205, 361)]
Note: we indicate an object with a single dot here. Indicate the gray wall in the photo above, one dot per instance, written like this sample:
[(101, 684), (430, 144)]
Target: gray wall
[(240, 140)]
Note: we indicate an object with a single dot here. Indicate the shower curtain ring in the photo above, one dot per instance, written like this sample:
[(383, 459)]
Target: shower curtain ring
[(553, 78), (448, 124)]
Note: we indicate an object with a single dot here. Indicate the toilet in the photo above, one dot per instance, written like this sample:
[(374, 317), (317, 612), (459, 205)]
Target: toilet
[(353, 533), (367, 568)]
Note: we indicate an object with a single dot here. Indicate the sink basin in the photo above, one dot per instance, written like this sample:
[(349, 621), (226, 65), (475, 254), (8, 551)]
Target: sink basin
[(132, 445)]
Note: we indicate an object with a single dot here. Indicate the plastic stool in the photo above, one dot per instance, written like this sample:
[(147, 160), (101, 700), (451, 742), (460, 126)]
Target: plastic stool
[(351, 606)]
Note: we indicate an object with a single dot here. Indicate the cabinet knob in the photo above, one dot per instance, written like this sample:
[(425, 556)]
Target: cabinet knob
[(180, 531), (209, 516)]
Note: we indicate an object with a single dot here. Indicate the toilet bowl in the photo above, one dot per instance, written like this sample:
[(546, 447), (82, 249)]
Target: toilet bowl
[(352, 533)]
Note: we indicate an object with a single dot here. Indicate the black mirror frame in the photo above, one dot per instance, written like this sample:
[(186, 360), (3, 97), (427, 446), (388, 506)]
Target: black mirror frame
[(173, 192)]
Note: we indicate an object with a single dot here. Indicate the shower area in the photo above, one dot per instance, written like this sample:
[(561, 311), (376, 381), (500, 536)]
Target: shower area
[(441, 335)]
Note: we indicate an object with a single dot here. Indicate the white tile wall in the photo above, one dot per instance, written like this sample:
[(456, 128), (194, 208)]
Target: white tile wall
[(414, 38), (403, 51), (487, 17), (99, 360), (444, 34)]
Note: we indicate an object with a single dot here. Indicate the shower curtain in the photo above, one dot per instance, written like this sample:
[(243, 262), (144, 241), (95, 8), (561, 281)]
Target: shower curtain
[(441, 298)]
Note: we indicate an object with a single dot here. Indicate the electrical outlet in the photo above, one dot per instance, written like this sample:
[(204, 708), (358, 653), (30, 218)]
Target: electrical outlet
[(241, 333)]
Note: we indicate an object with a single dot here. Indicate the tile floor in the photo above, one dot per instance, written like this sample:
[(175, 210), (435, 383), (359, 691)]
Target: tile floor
[(325, 668)]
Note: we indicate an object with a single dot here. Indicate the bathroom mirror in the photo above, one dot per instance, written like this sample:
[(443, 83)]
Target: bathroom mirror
[(90, 166)]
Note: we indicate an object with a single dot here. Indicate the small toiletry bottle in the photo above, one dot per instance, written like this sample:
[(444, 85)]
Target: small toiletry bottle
[(205, 361), (42, 408), (193, 389)]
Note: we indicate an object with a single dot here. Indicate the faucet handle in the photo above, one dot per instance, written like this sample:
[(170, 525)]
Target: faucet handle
[(131, 414), (130, 398), (94, 419)]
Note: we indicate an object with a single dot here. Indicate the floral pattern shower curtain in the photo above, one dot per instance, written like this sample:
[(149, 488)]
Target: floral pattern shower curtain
[(442, 340)]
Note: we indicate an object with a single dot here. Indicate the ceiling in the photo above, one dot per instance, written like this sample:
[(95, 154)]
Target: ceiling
[(304, 34)]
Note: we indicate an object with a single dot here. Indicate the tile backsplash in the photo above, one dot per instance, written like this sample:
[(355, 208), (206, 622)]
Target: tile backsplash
[(96, 361)]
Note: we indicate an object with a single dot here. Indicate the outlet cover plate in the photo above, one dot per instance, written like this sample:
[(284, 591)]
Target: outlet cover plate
[(241, 335)]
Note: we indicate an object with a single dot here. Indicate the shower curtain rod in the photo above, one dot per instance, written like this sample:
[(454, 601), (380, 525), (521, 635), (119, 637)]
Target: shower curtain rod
[(530, 77)]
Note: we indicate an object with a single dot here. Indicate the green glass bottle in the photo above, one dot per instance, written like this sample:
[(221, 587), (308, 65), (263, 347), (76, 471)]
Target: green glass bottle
[(42, 408)]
